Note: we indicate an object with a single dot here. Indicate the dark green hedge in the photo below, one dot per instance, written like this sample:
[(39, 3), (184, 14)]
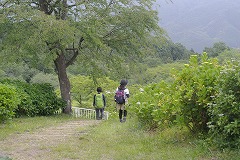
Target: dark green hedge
[(8, 102), (35, 99)]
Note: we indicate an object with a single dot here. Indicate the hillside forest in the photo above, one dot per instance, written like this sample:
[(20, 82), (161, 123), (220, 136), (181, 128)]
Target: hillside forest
[(54, 54)]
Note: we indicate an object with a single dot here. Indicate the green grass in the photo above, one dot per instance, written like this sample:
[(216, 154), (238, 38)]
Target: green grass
[(29, 124), (4, 158), (117, 141)]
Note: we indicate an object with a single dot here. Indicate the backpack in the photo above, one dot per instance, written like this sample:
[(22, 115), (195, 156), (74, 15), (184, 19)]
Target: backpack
[(119, 96), (99, 101)]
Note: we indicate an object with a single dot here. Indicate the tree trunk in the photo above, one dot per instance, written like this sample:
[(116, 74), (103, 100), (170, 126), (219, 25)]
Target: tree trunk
[(60, 62), (64, 82)]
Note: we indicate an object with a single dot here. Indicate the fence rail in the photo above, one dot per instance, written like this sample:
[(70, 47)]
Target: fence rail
[(87, 113)]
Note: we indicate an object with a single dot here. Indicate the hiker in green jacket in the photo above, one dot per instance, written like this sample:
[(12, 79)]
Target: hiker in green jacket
[(99, 103)]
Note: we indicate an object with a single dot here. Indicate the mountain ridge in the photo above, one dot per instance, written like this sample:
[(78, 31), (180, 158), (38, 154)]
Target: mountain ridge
[(199, 24)]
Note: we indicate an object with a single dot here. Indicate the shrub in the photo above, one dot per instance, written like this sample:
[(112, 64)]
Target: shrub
[(225, 112), (185, 101), (143, 105), (195, 85), (25, 108), (155, 106), (44, 99), (8, 102), (35, 99), (204, 96)]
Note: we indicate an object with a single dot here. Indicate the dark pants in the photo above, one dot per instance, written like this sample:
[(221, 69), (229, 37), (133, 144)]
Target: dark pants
[(99, 113), (122, 112)]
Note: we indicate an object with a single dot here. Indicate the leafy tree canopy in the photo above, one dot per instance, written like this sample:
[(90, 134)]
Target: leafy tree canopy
[(96, 34), (111, 28)]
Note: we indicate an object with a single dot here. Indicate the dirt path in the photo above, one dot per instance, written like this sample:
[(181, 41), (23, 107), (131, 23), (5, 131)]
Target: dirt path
[(34, 146)]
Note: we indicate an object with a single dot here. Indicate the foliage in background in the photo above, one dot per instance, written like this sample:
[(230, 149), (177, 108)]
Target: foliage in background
[(81, 89), (172, 52), (84, 88), (217, 49), (46, 78), (163, 72), (155, 67), (18, 71), (229, 55)]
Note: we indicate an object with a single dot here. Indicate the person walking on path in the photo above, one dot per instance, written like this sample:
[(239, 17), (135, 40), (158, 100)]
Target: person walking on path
[(99, 103), (121, 99)]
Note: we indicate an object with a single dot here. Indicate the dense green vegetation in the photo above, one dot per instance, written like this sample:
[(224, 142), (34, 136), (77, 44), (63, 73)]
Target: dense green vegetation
[(9, 102), (97, 35), (24, 99), (203, 97), (176, 93), (167, 91)]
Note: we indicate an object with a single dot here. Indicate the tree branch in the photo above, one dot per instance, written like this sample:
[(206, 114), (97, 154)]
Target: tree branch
[(80, 42), (110, 32), (52, 46), (75, 52), (73, 58), (3, 4), (110, 3)]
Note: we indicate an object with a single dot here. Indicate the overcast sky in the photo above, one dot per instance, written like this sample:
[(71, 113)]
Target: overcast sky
[(200, 23)]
